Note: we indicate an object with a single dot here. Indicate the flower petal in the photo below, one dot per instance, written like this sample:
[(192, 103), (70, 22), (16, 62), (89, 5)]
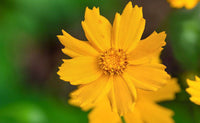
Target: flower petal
[(139, 84), (148, 76), (133, 117), (80, 70), (194, 90), (188, 4), (197, 78), (97, 29), (122, 95), (75, 47), (176, 3), (153, 113), (191, 4), (168, 92), (148, 48), (89, 94), (196, 100), (115, 31), (102, 114), (128, 29), (194, 84)]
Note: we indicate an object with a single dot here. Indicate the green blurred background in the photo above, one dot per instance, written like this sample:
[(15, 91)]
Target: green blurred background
[(30, 53)]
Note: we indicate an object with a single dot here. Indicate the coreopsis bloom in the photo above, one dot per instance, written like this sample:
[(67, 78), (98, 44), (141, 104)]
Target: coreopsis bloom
[(188, 4), (145, 111), (114, 61), (194, 90)]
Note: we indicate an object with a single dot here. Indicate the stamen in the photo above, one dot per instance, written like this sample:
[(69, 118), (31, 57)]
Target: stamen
[(113, 62)]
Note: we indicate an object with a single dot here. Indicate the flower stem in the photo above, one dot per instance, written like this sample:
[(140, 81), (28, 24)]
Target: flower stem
[(123, 120)]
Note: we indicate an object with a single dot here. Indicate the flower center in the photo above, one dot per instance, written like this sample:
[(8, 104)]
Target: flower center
[(113, 62)]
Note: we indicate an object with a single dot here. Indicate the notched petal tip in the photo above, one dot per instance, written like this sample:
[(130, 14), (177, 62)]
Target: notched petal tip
[(129, 4), (160, 33), (83, 23), (163, 33), (58, 36), (87, 8), (140, 8), (62, 39), (64, 32), (117, 14), (136, 6), (187, 90), (197, 78), (190, 82), (94, 9)]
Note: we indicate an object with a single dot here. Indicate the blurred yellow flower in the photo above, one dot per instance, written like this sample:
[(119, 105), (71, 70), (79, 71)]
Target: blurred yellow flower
[(145, 111), (194, 90), (188, 4), (114, 61)]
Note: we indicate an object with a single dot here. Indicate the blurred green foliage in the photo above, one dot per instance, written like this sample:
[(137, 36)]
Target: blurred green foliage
[(35, 108), (184, 32)]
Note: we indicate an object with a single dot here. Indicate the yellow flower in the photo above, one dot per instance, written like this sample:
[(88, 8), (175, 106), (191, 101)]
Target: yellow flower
[(145, 111), (194, 90), (114, 61), (188, 4)]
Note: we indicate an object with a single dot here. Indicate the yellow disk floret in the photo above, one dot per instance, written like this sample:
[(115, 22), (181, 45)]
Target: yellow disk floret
[(113, 61)]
